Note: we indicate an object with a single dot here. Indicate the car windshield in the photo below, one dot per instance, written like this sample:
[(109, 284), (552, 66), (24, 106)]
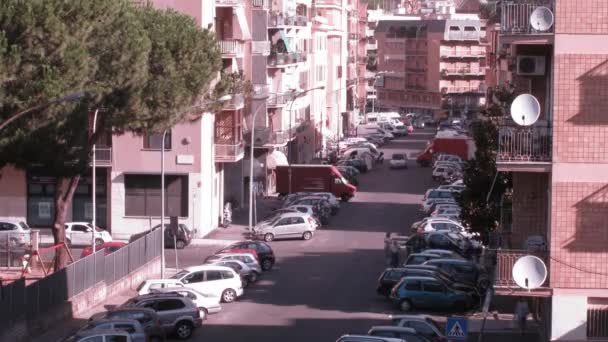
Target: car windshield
[(24, 226), (398, 157), (180, 275)]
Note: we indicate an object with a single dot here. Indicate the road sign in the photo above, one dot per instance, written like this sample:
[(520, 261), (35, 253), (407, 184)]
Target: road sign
[(456, 328)]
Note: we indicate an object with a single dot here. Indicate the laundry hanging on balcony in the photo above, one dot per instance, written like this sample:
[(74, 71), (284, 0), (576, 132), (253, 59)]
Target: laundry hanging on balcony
[(242, 19), (288, 45), (276, 158)]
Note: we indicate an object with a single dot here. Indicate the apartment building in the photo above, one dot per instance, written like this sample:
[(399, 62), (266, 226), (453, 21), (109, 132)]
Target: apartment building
[(559, 164)]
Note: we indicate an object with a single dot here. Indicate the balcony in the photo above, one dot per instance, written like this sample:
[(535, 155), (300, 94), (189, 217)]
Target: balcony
[(445, 53), (279, 101), (503, 275), (515, 16), (278, 21), (323, 3), (264, 4), (260, 47), (229, 3), (524, 148), (235, 103), (229, 152), (231, 48), (463, 35), (103, 157), (464, 90), (282, 60), (468, 71)]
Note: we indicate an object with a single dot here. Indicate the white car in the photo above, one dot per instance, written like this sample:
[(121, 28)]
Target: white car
[(247, 258), (150, 285), (439, 223), (15, 231), (79, 234), (286, 225), (442, 172), (207, 303), (446, 211), (398, 161), (212, 279)]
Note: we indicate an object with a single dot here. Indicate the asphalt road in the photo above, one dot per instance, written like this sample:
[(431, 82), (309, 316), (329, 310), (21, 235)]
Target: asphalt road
[(325, 287)]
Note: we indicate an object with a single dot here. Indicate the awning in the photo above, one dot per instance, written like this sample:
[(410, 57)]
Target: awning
[(234, 66), (240, 16), (286, 41), (276, 158)]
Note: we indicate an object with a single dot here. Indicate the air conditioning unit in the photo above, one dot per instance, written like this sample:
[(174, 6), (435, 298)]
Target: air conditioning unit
[(530, 65)]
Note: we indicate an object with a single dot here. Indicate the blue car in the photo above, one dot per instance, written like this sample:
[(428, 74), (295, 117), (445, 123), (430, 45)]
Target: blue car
[(429, 293)]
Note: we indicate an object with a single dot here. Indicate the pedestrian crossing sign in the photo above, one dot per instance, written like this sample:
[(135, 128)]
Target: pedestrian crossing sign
[(456, 328)]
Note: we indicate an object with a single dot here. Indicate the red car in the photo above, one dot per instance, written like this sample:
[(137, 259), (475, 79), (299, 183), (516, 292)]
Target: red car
[(108, 247)]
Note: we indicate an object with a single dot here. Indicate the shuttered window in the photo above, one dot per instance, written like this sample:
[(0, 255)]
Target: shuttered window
[(143, 195)]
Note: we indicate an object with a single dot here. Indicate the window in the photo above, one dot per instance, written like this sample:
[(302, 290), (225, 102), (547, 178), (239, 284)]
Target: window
[(413, 285), (227, 274), (80, 228), (214, 275), (433, 287), (284, 222), (169, 304), (422, 328), (4, 226), (297, 220), (154, 141), (142, 195), (125, 327), (93, 339), (195, 277)]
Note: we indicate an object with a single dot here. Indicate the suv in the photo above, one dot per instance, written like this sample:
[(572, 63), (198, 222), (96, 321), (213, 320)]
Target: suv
[(206, 303), (130, 326), (178, 315), (15, 231), (246, 258), (148, 318), (265, 252), (215, 280), (429, 293)]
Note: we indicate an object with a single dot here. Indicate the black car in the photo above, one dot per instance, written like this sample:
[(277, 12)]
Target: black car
[(463, 271), (172, 240), (265, 252), (391, 276), (443, 274), (442, 240)]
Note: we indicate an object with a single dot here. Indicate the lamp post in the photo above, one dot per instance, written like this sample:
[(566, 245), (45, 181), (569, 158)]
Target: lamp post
[(94, 186), (162, 189), (67, 98), (251, 158)]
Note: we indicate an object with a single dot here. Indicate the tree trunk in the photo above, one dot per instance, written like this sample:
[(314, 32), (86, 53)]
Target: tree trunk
[(64, 192)]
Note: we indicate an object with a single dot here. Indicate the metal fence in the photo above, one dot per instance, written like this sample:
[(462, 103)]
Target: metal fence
[(18, 301), (13, 247), (524, 144)]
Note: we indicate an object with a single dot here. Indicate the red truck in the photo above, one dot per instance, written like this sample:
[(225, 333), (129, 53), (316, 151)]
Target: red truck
[(462, 146), (313, 178)]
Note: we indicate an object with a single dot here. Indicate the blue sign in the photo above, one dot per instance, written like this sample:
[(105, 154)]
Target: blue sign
[(457, 328)]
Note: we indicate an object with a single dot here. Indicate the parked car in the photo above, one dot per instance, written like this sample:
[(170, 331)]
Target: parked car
[(215, 280), (15, 230), (179, 241), (420, 258), (208, 304), (391, 276), (148, 285), (429, 293), (444, 254), (367, 338), (249, 259), (408, 334), (286, 226), (99, 335), (449, 213), (398, 161), (265, 252), (443, 239), (178, 315), (107, 247), (423, 324), (247, 274), (130, 326), (251, 251), (463, 270), (316, 211), (431, 224), (441, 274), (356, 163), (433, 204), (147, 318), (80, 233)]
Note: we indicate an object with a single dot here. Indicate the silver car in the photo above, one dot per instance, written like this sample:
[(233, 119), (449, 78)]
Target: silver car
[(15, 231), (286, 225), (247, 258), (130, 326)]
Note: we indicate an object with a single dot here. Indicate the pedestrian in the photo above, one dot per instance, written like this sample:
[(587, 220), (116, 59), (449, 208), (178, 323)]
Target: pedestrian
[(521, 313), (394, 254)]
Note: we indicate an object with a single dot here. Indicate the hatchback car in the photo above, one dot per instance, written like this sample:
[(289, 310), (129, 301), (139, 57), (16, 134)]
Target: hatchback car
[(215, 280), (423, 324), (15, 231), (408, 334), (265, 252), (206, 303), (172, 240), (296, 225), (313, 210), (100, 336), (178, 315), (248, 275), (391, 276), (429, 293), (149, 285), (81, 233), (420, 258), (148, 318), (246, 258), (398, 161), (130, 326), (463, 270)]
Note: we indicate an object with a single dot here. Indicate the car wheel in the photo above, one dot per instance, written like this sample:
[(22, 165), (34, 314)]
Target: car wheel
[(183, 330), (204, 313), (98, 241), (267, 264), (228, 296), (253, 277), (307, 235), (180, 244), (405, 305), (268, 237)]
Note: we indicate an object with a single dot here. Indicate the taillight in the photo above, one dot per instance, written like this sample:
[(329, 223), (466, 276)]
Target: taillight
[(311, 221)]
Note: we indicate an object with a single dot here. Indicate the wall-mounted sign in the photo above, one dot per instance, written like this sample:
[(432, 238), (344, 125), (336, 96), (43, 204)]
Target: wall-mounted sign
[(185, 159)]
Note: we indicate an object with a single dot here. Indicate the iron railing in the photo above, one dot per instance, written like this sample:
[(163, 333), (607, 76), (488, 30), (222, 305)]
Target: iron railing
[(462, 53), (231, 47), (229, 3), (463, 35), (279, 100), (280, 59), (524, 144), (265, 4), (260, 47), (278, 20), (454, 90), (505, 260), (463, 71), (232, 152), (515, 16)]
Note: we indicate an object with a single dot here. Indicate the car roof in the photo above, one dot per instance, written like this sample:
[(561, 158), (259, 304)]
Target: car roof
[(154, 295), (221, 255), (86, 333), (456, 261), (419, 278), (115, 320), (161, 281), (393, 328), (78, 222), (207, 267)]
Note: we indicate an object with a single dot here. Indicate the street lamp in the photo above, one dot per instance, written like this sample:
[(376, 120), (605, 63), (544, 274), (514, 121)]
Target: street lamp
[(162, 190), (94, 186), (68, 98)]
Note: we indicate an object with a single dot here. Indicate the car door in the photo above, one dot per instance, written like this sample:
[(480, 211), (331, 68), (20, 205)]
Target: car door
[(434, 294), (282, 227), (413, 288), (298, 226), (196, 280), (79, 235), (169, 310), (214, 282)]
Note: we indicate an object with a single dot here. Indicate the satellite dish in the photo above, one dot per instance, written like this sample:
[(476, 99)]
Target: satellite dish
[(541, 19), (525, 110), (529, 272)]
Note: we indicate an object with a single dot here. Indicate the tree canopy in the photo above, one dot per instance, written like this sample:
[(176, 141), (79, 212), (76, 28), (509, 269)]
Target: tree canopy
[(146, 68)]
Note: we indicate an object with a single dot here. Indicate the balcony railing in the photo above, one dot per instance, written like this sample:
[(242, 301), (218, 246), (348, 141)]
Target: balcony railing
[(462, 54), (260, 47), (454, 90), (281, 59), (524, 144), (229, 3), (265, 4), (279, 20), (231, 47), (103, 156), (279, 100), (463, 35), (462, 71), (329, 2), (505, 259), (515, 16), (229, 152)]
